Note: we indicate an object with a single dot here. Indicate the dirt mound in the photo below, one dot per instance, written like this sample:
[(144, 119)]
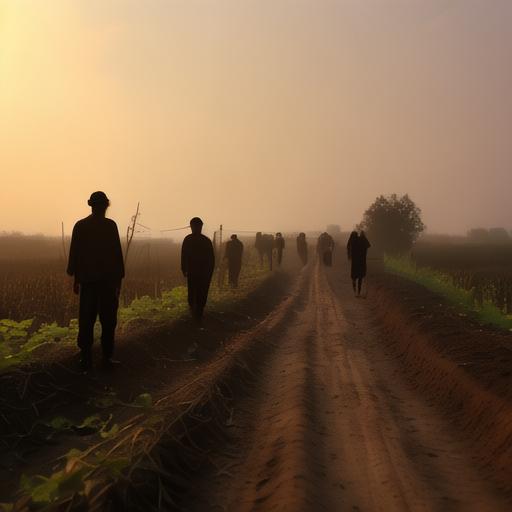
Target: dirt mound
[(462, 366)]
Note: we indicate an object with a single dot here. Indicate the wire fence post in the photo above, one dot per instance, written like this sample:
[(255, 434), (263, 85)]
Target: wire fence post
[(221, 270), (64, 249)]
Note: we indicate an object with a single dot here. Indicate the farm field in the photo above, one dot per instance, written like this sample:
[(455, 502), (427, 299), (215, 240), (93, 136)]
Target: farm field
[(38, 308), (34, 284), (485, 269)]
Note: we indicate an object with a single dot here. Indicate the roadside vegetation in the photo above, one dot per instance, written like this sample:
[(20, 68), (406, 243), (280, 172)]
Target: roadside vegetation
[(472, 273), (471, 301), (19, 341)]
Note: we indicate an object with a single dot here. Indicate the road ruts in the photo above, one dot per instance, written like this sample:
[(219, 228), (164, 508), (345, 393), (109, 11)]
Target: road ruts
[(330, 424)]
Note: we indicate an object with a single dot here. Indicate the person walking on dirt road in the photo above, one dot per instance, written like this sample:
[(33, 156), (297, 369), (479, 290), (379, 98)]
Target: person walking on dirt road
[(264, 244), (96, 263), (302, 248), (197, 264), (325, 248), (357, 247), (233, 255), (279, 246)]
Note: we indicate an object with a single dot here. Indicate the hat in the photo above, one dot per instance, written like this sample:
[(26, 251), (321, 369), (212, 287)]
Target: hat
[(196, 221), (98, 198)]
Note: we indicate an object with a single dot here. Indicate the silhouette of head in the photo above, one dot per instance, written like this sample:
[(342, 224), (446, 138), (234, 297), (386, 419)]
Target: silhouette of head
[(196, 225), (233, 237), (353, 235), (302, 235), (99, 202), (279, 234)]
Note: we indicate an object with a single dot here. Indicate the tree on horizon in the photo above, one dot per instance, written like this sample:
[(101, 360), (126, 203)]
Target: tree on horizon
[(393, 223)]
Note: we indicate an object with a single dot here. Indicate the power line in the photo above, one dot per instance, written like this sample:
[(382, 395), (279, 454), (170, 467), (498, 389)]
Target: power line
[(248, 231), (174, 229)]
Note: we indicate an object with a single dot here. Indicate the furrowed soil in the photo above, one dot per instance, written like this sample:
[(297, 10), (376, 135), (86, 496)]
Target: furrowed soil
[(327, 402)]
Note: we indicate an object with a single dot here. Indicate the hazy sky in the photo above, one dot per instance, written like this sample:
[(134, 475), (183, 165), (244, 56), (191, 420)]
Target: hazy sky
[(265, 114)]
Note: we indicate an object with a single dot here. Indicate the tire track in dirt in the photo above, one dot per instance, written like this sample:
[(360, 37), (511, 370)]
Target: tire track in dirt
[(330, 424)]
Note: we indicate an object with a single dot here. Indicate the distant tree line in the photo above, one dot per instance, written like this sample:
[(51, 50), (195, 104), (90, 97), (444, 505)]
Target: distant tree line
[(489, 235)]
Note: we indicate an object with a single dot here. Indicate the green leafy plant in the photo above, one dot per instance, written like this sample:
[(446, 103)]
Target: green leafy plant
[(143, 400), (89, 425), (45, 490)]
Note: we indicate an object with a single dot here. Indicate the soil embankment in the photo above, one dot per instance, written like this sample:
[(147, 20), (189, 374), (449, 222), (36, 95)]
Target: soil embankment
[(463, 367)]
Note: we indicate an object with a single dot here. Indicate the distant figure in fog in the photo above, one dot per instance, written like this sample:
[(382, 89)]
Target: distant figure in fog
[(264, 244), (279, 246), (233, 254), (302, 248), (325, 248), (197, 264), (357, 247), (96, 263)]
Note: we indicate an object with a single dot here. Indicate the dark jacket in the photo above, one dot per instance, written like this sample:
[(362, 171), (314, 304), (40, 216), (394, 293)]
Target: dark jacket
[(302, 245), (357, 250), (234, 251), (95, 253), (279, 243), (197, 255)]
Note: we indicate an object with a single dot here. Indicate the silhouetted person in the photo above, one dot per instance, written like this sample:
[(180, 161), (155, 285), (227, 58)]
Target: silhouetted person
[(325, 248), (357, 247), (264, 245), (197, 264), (96, 262), (302, 248), (279, 245), (234, 252)]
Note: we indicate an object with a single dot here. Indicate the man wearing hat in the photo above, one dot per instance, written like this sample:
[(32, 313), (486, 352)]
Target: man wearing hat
[(233, 254), (197, 264), (96, 262)]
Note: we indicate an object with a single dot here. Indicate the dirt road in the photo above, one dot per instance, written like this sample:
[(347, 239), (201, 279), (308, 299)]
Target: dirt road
[(330, 423)]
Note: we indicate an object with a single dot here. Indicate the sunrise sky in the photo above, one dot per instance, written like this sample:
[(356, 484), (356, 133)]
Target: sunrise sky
[(265, 114)]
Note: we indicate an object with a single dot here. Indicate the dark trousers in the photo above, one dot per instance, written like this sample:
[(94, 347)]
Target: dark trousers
[(327, 257), (270, 258), (100, 298), (198, 286), (279, 257), (234, 273)]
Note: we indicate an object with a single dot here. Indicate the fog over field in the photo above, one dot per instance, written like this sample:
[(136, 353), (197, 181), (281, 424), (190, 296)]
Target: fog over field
[(278, 115)]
